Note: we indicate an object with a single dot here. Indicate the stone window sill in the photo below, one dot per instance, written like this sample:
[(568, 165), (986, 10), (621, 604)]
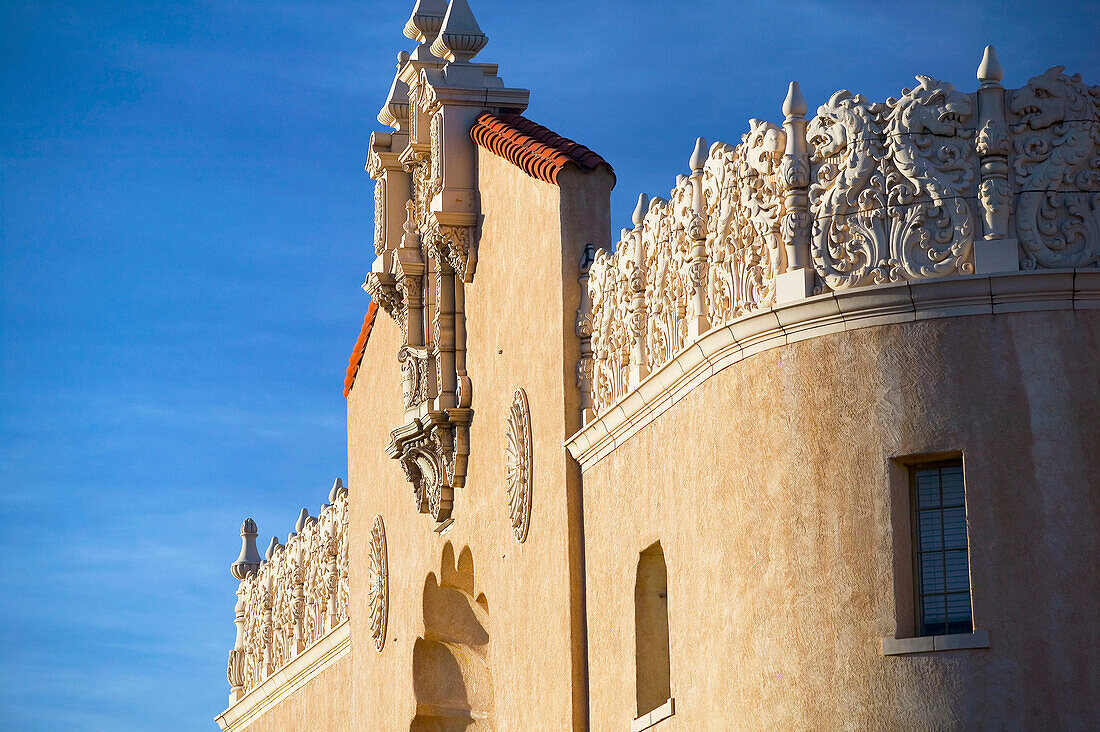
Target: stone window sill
[(933, 643), (650, 719)]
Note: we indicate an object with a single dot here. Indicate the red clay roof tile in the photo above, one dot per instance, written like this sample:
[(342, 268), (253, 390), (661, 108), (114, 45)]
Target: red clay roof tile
[(360, 346), (532, 148)]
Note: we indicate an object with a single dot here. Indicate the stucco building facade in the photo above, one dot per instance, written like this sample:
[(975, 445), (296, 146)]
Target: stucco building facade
[(813, 445)]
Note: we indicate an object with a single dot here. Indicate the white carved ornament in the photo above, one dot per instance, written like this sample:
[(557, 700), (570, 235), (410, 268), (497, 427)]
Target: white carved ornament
[(1055, 121), (517, 464), (378, 583), (898, 191), (295, 597)]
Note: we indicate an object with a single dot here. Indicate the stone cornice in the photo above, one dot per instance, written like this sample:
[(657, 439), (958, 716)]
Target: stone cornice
[(833, 312), (288, 679)]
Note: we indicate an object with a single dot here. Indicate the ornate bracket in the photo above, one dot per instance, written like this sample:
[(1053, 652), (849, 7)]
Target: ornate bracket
[(433, 451)]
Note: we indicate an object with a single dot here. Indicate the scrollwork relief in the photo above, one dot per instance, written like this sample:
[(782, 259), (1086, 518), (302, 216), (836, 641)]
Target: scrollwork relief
[(517, 464), (894, 188), (378, 583), (294, 598), (1056, 120)]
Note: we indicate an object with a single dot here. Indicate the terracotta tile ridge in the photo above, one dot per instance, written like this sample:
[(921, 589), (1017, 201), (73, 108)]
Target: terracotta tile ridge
[(360, 346), (534, 149)]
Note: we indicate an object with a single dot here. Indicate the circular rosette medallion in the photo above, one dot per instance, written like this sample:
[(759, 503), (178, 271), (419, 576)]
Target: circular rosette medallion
[(517, 464), (378, 583)]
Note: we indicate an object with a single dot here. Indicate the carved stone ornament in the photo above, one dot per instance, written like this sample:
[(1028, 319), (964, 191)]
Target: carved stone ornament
[(378, 583), (517, 464), (427, 203), (864, 193), (293, 597)]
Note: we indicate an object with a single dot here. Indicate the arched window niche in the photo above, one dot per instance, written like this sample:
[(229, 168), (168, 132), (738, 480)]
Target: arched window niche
[(654, 684)]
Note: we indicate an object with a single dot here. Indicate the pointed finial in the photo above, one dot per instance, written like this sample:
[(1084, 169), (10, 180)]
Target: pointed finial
[(989, 70), (410, 239), (641, 210), (335, 492), (794, 105), (303, 517), (395, 112), (460, 38), (698, 155), (425, 21), (271, 548), (248, 560)]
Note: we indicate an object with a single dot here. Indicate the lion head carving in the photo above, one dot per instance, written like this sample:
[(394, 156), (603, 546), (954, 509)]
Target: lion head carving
[(1054, 97), (763, 146), (845, 120), (932, 107)]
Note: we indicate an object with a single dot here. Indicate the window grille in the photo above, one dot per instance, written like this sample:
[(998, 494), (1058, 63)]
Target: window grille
[(942, 563)]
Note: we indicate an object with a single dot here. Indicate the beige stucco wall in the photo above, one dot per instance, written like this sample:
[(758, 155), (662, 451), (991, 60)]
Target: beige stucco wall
[(769, 487), (520, 312), (317, 705)]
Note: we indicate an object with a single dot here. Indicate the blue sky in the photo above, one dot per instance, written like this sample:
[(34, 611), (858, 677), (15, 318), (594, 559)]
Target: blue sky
[(184, 225)]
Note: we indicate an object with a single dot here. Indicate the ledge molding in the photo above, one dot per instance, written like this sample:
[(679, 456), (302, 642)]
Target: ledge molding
[(649, 719), (832, 312), (285, 681), (932, 643)]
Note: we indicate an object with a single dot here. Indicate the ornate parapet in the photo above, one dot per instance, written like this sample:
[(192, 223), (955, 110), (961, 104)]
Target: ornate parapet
[(426, 217), (932, 184), (292, 598)]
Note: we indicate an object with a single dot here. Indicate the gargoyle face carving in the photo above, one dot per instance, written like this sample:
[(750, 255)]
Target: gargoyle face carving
[(1047, 99), (826, 135), (933, 107), (845, 119), (764, 143)]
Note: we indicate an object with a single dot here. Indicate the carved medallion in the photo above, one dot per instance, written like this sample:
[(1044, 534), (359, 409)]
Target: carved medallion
[(517, 464), (378, 579)]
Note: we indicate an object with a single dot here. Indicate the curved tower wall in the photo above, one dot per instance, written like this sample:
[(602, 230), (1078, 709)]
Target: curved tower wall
[(777, 492)]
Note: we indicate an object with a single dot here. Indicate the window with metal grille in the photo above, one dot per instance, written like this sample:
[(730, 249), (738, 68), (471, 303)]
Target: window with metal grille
[(942, 565)]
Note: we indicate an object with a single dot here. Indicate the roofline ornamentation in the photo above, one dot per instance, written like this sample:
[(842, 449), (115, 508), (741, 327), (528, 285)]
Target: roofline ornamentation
[(936, 183)]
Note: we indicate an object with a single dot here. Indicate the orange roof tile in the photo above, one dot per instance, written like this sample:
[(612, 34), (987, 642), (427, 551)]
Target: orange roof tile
[(360, 345), (532, 148)]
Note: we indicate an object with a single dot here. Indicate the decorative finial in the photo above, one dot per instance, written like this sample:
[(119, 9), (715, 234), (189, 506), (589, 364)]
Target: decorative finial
[(271, 548), (641, 210), (460, 38), (248, 561), (426, 20), (336, 487), (303, 518), (990, 71), (794, 105), (698, 156), (395, 112)]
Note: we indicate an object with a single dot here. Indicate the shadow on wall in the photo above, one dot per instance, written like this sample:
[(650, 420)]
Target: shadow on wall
[(651, 630), (451, 676)]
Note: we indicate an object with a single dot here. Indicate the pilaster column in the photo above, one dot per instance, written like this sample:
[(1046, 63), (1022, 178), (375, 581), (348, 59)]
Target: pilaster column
[(697, 233), (797, 281), (994, 252), (639, 368), (585, 364)]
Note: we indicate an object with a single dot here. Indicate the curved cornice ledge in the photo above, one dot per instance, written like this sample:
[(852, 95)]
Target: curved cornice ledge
[(833, 312), (285, 681)]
